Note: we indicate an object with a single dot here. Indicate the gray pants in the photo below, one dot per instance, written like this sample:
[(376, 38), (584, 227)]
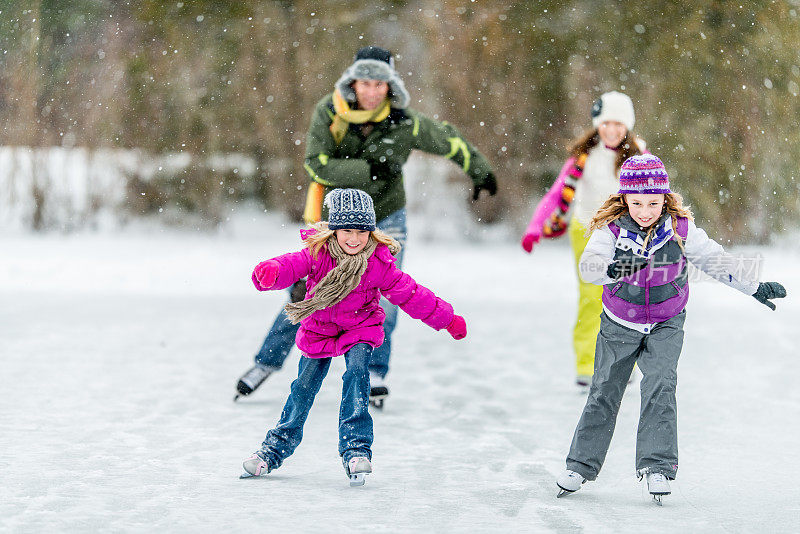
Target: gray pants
[(618, 349)]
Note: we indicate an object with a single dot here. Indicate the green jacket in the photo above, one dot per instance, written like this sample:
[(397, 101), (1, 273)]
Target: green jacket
[(374, 163)]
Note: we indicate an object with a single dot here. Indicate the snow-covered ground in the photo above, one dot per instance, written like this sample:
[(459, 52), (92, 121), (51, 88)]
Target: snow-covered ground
[(119, 354)]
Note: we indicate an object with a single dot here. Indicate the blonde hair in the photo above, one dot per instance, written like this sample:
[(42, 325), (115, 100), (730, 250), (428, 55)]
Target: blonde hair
[(615, 207), (316, 241)]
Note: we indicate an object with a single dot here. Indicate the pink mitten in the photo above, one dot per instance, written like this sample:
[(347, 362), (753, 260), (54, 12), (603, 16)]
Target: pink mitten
[(457, 327), (265, 274), (528, 240)]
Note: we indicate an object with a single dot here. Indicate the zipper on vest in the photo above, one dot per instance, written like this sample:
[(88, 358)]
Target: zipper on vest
[(616, 288), (678, 289), (647, 272)]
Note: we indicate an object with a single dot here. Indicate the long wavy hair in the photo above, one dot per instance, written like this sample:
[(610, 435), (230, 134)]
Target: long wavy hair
[(616, 206), (590, 139), (316, 241)]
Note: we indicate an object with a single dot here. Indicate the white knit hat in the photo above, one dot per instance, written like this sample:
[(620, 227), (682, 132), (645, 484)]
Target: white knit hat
[(613, 106)]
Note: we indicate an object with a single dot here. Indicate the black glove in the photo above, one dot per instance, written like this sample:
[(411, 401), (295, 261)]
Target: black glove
[(767, 291), (298, 291), (626, 266), (489, 184)]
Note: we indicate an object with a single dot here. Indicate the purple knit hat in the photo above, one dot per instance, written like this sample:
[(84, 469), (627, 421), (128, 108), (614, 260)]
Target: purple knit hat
[(644, 174)]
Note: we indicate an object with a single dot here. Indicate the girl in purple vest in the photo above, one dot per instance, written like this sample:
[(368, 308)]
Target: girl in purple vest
[(641, 241), (584, 183), (349, 264)]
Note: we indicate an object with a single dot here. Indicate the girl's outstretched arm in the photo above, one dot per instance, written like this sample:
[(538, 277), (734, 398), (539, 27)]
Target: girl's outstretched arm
[(738, 272), (546, 207), (283, 271), (709, 256), (415, 299)]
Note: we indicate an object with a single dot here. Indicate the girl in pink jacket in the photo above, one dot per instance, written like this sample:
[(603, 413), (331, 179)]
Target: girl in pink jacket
[(349, 265)]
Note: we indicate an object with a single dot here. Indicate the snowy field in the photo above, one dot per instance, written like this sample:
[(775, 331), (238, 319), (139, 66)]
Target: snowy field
[(119, 354)]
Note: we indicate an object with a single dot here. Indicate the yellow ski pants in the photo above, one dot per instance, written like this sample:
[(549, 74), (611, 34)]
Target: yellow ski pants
[(587, 324)]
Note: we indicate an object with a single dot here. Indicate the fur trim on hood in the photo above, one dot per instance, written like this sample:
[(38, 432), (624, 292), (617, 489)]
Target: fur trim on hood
[(374, 69)]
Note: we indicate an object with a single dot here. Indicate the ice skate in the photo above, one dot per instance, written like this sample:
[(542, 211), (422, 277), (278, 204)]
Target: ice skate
[(357, 468), (255, 466), (377, 390), (657, 485), (253, 378), (569, 482)]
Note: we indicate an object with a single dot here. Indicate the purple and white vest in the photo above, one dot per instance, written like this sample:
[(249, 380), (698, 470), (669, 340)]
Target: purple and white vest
[(659, 291)]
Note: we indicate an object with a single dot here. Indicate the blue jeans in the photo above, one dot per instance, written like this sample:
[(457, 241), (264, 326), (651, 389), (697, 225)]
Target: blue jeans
[(281, 336), (355, 423)]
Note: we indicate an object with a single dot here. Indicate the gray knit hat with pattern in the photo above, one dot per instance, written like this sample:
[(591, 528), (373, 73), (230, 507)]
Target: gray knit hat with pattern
[(350, 209)]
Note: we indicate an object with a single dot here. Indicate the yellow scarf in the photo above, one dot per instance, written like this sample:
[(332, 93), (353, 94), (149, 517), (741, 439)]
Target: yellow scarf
[(341, 122), (346, 116)]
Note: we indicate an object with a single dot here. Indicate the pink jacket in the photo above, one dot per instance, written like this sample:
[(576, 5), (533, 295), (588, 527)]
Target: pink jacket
[(358, 318), (549, 202)]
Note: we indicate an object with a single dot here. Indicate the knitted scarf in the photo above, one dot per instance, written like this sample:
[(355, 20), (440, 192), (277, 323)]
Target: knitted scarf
[(557, 223), (345, 116), (337, 284)]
